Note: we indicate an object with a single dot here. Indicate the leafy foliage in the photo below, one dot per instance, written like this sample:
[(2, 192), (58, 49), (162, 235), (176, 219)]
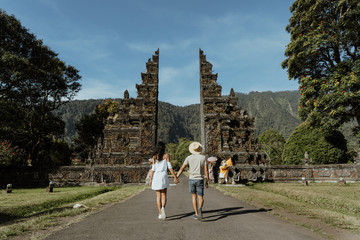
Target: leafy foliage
[(178, 152), (33, 83), (10, 155), (182, 150), (323, 56), (176, 122), (105, 109), (60, 153), (272, 143), (90, 128), (323, 147), (73, 111), (171, 150)]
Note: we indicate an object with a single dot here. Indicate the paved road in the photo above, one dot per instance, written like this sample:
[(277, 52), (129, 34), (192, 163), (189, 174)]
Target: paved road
[(224, 217)]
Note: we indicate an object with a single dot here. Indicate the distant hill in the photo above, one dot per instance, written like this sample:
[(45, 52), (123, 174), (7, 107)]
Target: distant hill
[(276, 110), (73, 111)]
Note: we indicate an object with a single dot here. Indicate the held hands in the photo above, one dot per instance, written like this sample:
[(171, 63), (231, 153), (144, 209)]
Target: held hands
[(150, 182), (207, 183), (176, 180)]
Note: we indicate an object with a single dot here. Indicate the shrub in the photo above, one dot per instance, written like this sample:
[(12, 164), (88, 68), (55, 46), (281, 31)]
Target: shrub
[(60, 153), (324, 147), (272, 143)]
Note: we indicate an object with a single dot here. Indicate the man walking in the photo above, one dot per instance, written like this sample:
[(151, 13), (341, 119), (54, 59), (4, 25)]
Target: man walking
[(197, 168)]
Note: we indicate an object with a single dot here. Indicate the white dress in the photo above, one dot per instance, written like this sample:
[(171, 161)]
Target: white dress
[(160, 178)]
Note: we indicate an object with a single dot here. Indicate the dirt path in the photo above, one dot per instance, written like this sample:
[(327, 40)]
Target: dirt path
[(224, 218)]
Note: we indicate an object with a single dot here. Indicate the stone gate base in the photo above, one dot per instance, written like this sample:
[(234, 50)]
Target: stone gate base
[(99, 175), (291, 173), (114, 175)]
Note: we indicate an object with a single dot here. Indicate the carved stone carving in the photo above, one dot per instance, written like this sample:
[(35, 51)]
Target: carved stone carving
[(307, 161), (226, 128), (129, 133)]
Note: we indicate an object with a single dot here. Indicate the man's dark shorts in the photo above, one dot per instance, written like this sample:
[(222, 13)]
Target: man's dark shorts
[(196, 186)]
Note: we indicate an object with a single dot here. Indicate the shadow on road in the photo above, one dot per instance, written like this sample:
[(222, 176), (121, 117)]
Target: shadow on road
[(179, 216), (217, 214)]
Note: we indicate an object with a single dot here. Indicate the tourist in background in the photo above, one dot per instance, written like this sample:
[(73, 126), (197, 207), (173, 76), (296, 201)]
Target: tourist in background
[(197, 168), (159, 180)]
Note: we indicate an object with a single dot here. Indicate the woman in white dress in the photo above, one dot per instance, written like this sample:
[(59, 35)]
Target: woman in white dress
[(159, 180)]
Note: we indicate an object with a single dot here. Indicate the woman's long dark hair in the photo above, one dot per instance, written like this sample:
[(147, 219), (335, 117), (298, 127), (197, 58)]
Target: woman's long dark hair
[(159, 151)]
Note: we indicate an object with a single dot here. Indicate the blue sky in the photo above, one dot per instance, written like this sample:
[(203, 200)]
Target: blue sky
[(109, 41)]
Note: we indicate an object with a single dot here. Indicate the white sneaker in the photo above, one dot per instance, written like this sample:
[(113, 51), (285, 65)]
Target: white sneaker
[(163, 215), (159, 216)]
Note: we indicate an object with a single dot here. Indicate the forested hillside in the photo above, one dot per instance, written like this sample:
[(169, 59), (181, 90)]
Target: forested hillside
[(176, 122), (73, 111), (277, 110)]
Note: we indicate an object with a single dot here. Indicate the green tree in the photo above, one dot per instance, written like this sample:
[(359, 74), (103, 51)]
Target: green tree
[(60, 154), (272, 143), (105, 109), (323, 147), (10, 155), (323, 56), (171, 150), (33, 83), (89, 130), (182, 150)]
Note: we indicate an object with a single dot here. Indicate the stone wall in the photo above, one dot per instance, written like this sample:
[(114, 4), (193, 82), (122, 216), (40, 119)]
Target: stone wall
[(99, 175), (291, 173), (113, 175)]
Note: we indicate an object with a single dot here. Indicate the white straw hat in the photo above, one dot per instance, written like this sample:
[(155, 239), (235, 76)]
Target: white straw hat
[(195, 148)]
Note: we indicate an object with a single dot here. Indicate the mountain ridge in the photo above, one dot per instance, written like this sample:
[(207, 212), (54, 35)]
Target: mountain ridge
[(276, 110)]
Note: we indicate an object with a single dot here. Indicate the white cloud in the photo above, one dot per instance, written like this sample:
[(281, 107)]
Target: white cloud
[(257, 47), (94, 89), (177, 74), (180, 85), (168, 74), (89, 49), (240, 36), (185, 44)]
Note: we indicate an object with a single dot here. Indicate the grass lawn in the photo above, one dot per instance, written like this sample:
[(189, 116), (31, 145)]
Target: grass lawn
[(32, 211), (333, 204)]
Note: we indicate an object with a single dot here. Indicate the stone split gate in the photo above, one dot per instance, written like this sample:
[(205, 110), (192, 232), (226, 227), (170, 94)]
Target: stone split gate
[(227, 130)]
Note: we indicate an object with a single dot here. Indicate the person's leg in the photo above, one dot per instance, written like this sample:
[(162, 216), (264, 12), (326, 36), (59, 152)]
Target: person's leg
[(192, 190), (158, 200), (200, 198), (194, 203), (163, 202), (163, 197), (200, 201)]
